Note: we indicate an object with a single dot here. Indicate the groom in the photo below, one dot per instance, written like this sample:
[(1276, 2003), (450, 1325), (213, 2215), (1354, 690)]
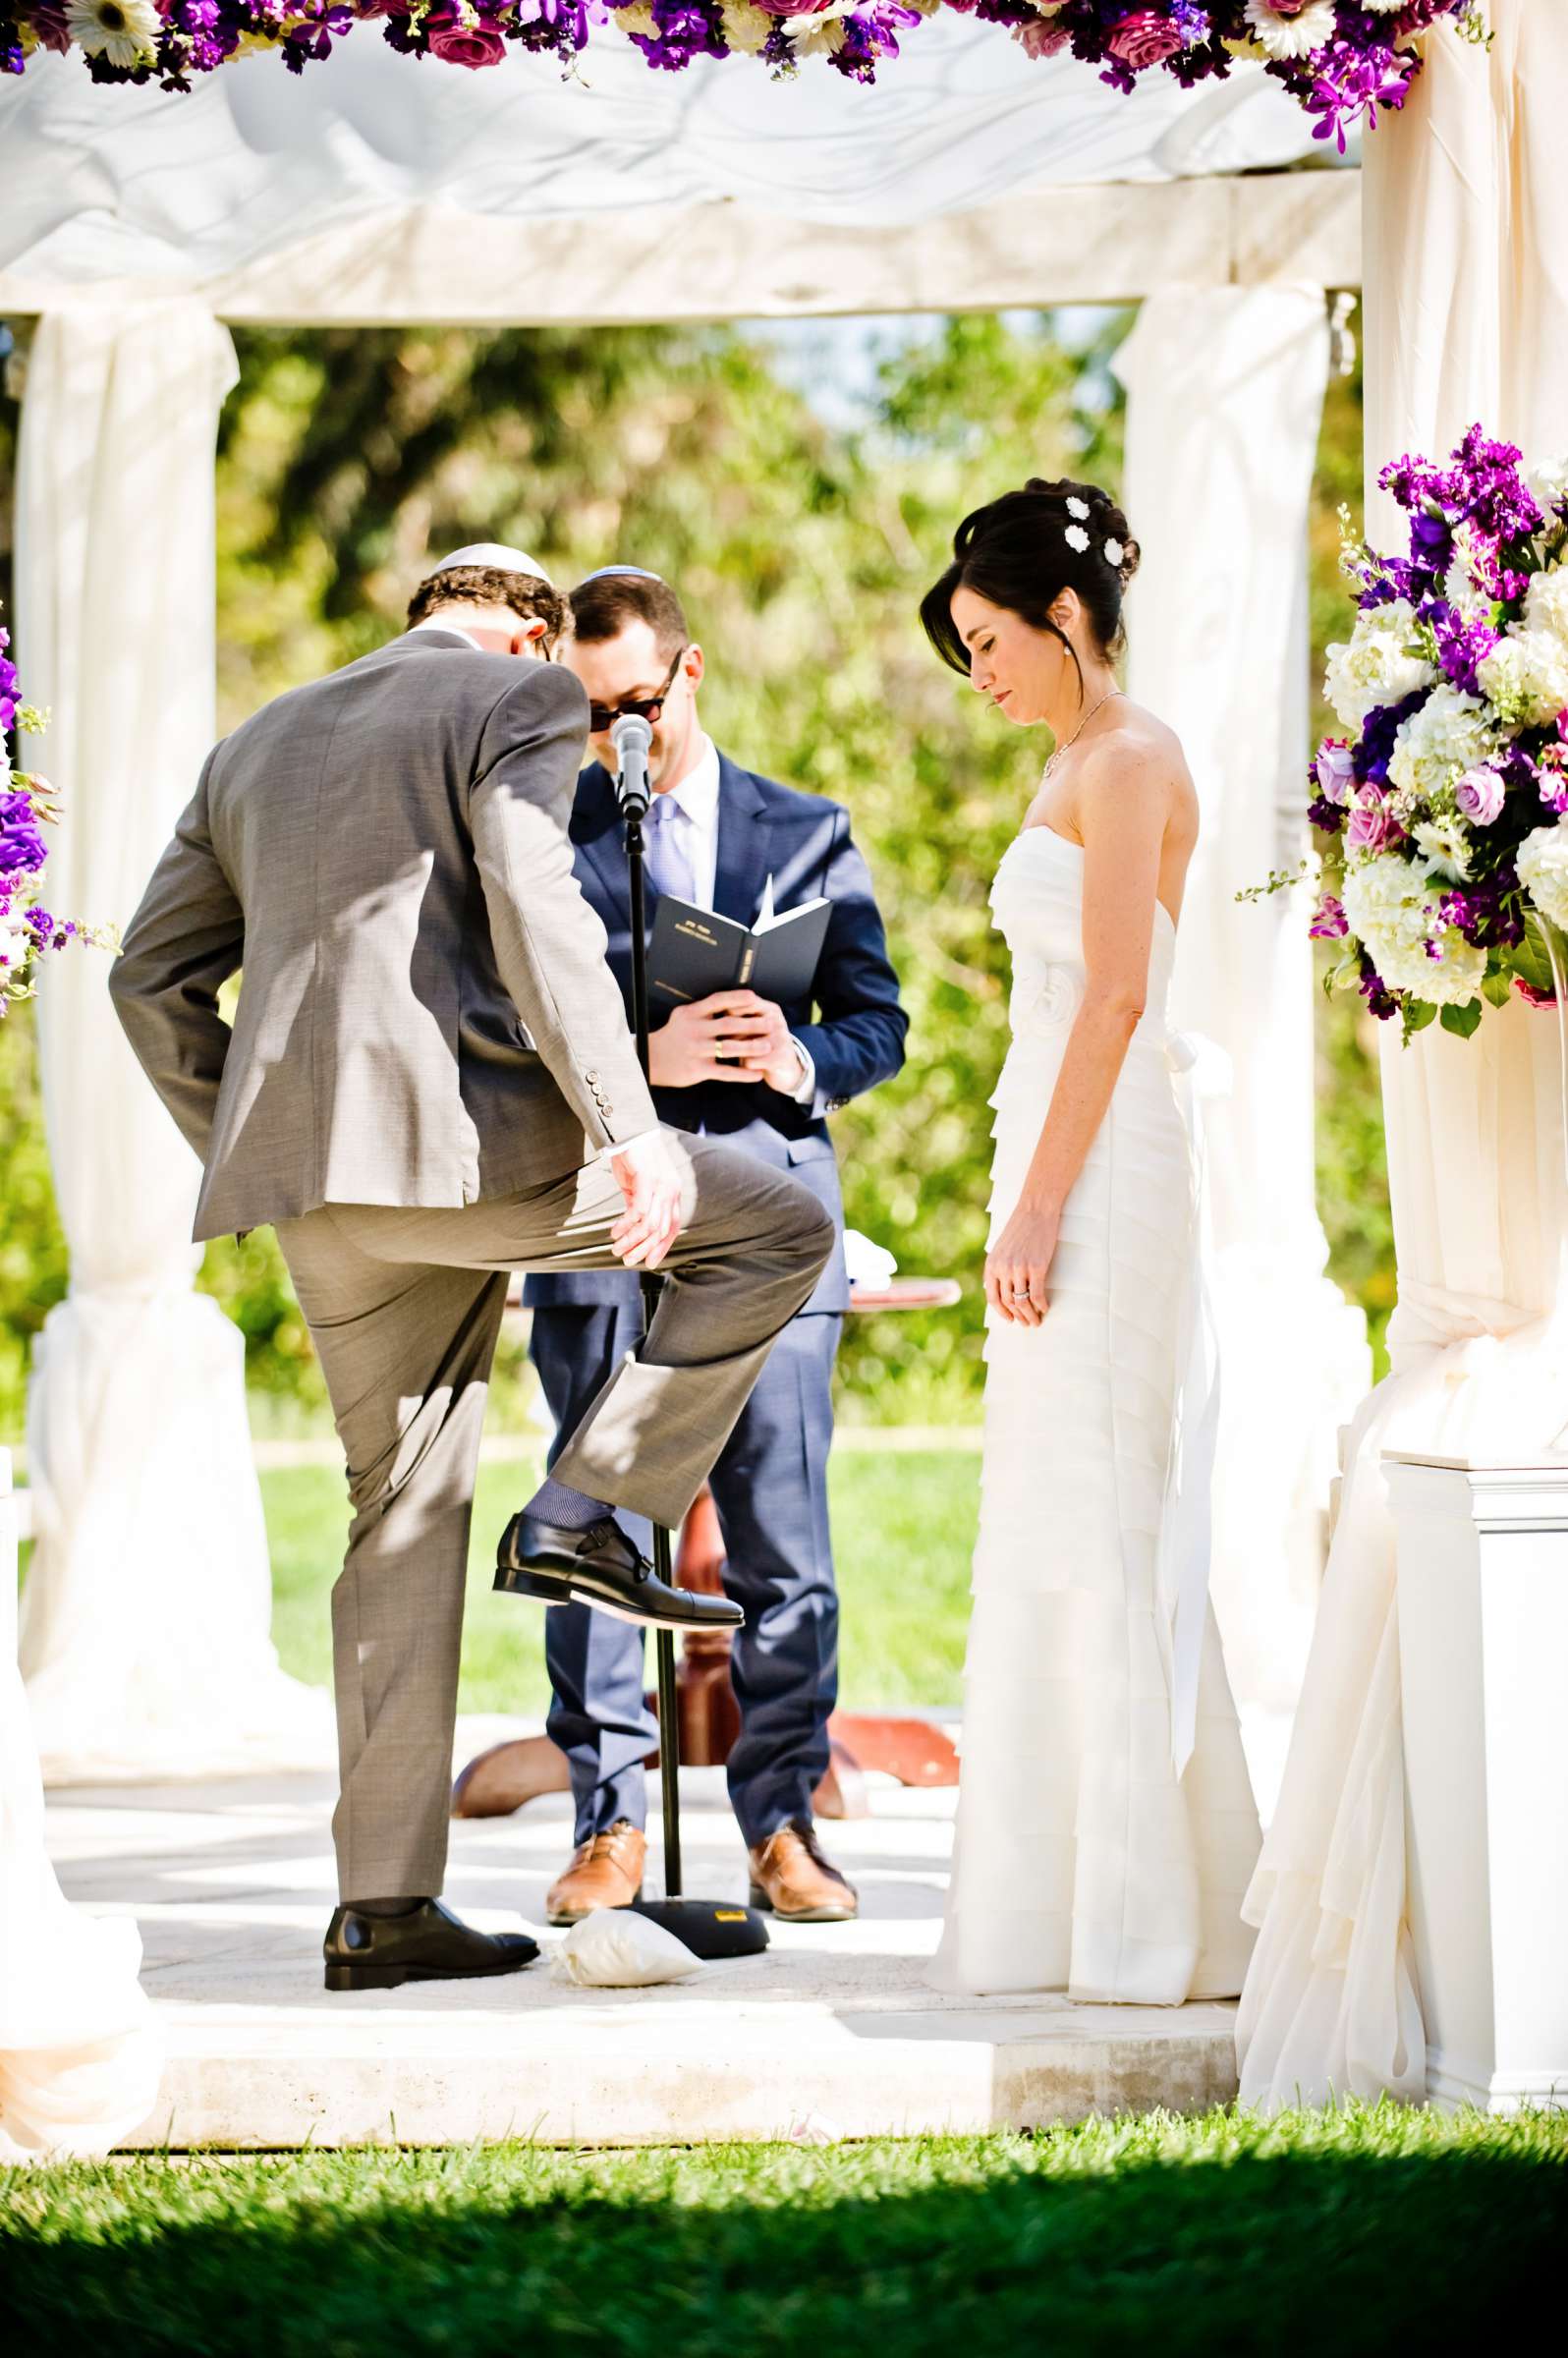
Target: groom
[(429, 1083)]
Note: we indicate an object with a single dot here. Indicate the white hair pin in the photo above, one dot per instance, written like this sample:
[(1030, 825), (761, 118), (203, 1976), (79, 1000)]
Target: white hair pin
[(1076, 538), (1114, 553)]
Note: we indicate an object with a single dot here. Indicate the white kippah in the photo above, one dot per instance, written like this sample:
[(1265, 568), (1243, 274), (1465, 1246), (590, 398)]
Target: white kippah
[(494, 553)]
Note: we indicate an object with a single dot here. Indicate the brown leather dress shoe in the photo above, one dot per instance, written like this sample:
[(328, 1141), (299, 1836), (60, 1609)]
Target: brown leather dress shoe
[(606, 1872), (791, 1878)]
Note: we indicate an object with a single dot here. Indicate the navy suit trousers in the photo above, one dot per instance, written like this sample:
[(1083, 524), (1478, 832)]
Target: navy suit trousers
[(770, 1489)]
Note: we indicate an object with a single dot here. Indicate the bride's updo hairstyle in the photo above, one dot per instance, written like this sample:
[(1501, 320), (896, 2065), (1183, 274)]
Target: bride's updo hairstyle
[(1023, 550)]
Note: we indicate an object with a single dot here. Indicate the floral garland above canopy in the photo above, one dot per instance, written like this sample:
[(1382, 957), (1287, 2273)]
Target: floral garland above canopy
[(1342, 59)]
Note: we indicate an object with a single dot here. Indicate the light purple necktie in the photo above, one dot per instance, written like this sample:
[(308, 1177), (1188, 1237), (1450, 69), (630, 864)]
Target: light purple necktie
[(670, 866)]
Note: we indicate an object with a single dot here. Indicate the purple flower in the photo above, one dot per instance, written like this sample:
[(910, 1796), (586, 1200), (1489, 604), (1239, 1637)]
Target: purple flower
[(1335, 769), (1479, 795), (1329, 923), (1378, 997), (23, 849)]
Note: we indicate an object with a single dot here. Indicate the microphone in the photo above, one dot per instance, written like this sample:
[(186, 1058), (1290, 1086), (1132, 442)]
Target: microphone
[(632, 738)]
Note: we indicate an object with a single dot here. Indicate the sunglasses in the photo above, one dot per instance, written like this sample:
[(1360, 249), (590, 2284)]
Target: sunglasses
[(646, 707)]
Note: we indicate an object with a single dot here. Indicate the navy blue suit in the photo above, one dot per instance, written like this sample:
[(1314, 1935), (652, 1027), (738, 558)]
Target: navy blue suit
[(770, 1482)]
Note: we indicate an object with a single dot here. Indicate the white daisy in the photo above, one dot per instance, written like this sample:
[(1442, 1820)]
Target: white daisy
[(1080, 509), (124, 32), (1293, 35), (1114, 553), (1076, 538)]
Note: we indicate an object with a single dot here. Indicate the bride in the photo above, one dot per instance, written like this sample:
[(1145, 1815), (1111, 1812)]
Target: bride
[(1106, 1829)]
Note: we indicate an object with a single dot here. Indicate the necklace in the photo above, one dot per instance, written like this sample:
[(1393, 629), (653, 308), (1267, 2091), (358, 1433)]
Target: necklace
[(1061, 748)]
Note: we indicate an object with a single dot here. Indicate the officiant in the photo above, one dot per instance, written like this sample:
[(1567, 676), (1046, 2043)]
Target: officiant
[(764, 1077)]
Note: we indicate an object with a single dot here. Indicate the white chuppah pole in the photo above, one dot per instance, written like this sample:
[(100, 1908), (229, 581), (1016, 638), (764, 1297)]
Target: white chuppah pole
[(1224, 403), (144, 1631), (1466, 294)]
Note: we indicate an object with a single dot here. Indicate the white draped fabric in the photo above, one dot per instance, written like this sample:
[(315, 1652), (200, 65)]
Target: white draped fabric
[(144, 1630), (1225, 388), (1466, 318), (79, 2055)]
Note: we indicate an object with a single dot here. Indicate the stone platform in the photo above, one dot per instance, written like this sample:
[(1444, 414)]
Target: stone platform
[(832, 2033)]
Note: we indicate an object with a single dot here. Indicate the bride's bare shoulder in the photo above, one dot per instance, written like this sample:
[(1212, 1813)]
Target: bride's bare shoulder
[(1143, 755)]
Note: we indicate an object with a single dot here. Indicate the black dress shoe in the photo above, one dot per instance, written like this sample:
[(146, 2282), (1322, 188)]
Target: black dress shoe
[(601, 1567), (427, 1944)]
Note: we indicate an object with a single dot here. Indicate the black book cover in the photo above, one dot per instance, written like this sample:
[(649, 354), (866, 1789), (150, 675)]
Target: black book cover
[(696, 952)]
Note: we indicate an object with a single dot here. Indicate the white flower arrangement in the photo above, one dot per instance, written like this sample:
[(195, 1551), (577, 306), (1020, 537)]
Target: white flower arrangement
[(1394, 911), (1451, 733), (122, 32), (1543, 864), (1526, 677), (1297, 33), (1377, 665)]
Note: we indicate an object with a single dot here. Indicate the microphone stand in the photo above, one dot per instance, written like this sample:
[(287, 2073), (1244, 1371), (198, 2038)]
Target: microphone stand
[(709, 1928)]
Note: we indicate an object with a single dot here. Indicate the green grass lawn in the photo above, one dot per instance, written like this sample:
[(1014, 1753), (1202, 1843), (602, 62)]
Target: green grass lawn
[(902, 1531), (1370, 2230)]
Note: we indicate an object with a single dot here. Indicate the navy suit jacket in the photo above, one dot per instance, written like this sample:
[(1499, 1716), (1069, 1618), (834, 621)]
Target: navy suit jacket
[(852, 1027)]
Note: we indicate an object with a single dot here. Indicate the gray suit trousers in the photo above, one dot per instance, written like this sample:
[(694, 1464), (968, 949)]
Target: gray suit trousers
[(403, 1307)]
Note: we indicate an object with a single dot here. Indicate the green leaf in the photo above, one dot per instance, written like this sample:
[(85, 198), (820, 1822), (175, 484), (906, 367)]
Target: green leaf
[(1417, 1014), (1497, 989), (1462, 1021)]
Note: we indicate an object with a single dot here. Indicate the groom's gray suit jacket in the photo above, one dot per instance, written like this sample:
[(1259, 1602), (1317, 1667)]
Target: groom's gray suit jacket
[(427, 1016)]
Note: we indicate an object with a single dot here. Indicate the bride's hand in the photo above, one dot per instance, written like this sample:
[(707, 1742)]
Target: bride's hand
[(1017, 1269)]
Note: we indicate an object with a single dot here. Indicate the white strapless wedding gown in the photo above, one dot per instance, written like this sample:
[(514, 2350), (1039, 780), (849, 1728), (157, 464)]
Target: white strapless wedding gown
[(1106, 1827)]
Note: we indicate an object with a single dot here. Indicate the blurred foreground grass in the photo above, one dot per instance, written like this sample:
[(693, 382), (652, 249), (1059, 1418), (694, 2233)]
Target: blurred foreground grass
[(1370, 2229)]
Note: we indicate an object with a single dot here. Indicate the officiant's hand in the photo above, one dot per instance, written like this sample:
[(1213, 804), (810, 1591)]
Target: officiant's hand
[(1019, 1263), (687, 1049)]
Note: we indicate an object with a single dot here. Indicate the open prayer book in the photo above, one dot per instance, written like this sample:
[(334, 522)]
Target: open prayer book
[(695, 951)]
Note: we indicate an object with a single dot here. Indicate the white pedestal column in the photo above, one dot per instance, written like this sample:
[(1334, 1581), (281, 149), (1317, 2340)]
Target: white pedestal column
[(1482, 1586)]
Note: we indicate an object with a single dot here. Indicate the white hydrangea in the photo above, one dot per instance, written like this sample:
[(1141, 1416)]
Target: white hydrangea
[(16, 945), (1546, 604), (1543, 870), (745, 29), (1374, 668), (1450, 733), (1526, 677), (1391, 908), (1293, 35), (1548, 480)]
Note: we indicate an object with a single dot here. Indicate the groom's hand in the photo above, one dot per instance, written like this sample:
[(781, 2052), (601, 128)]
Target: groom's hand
[(688, 1049), (652, 1183)]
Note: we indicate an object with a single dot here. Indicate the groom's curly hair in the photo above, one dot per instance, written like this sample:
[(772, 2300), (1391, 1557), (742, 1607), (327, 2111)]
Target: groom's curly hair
[(522, 593), (1015, 553)]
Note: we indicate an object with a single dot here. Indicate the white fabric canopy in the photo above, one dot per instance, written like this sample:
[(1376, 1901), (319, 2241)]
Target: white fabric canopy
[(144, 1625), (1467, 319), (125, 183), (1224, 403)]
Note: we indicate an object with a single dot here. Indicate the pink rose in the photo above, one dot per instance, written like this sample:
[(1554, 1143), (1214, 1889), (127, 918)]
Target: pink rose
[(1286, 8), (793, 8), (1038, 38), (1143, 37), (1335, 771), (1369, 826), (458, 44), (1478, 794)]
